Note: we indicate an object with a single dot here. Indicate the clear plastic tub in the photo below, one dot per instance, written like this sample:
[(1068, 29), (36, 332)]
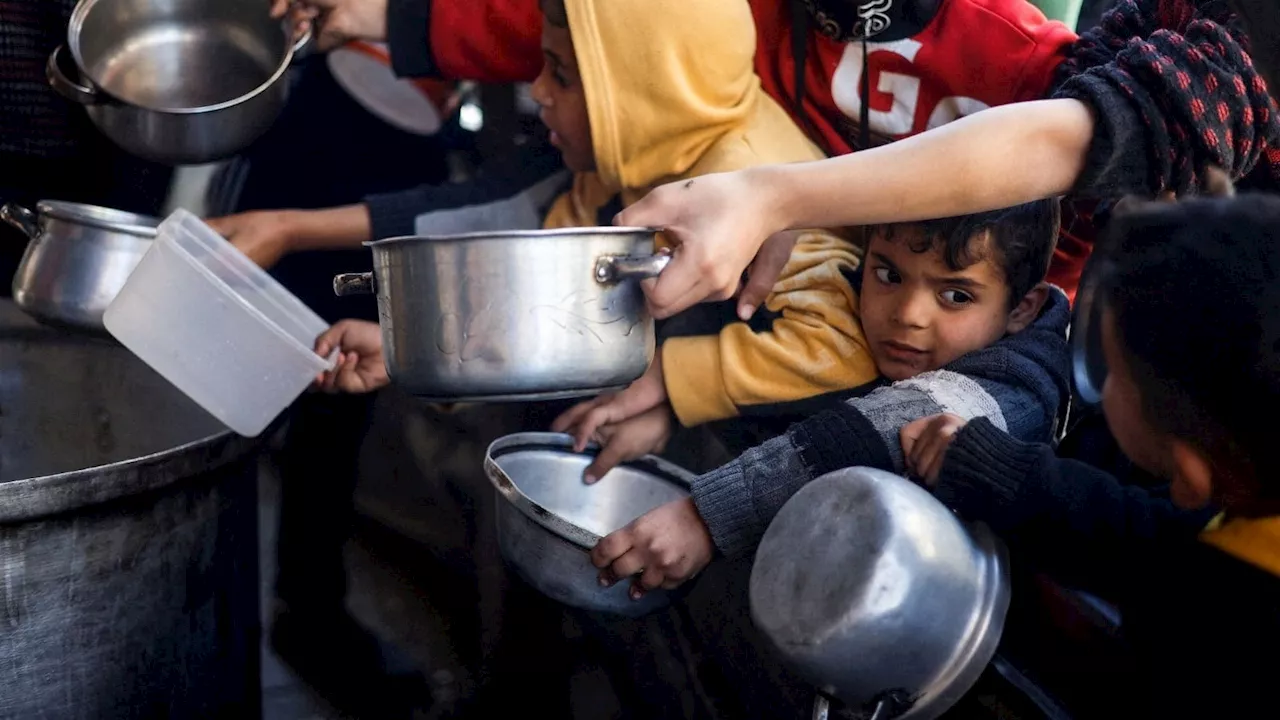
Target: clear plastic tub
[(217, 326)]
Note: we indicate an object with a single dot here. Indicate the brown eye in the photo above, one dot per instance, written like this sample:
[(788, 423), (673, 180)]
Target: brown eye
[(956, 297)]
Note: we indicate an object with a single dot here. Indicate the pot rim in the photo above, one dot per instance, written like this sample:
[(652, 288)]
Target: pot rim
[(76, 24), (576, 534), (103, 218), (972, 657), (514, 235)]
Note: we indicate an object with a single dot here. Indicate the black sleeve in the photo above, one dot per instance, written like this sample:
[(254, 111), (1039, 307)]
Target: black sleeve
[(393, 214), (1071, 519), (409, 38)]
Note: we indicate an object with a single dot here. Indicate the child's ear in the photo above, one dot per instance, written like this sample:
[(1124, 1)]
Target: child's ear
[(1027, 309), (1192, 481)]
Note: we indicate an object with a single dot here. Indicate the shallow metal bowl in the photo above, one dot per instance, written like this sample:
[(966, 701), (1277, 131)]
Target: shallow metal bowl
[(549, 519)]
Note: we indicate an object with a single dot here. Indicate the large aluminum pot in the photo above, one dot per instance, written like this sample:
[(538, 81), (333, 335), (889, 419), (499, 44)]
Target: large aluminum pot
[(177, 81), (549, 519), (128, 539), (519, 315), (77, 259), (878, 595)]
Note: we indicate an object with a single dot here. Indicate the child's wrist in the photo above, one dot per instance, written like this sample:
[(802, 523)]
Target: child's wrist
[(771, 192)]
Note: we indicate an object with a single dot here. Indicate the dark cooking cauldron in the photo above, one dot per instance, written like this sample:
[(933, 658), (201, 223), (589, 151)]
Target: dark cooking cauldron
[(128, 539)]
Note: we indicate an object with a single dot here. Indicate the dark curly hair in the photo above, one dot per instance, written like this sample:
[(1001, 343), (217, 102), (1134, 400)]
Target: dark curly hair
[(1022, 237)]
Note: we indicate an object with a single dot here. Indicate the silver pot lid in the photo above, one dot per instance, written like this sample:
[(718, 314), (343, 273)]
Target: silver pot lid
[(541, 475), (873, 590), (99, 217)]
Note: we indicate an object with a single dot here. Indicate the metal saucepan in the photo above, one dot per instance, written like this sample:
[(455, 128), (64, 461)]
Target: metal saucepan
[(77, 259), (519, 315), (549, 519), (878, 595), (177, 81)]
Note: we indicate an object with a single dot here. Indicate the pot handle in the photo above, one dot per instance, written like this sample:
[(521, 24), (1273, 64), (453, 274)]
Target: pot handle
[(21, 218), (616, 268), (67, 88), (348, 284)]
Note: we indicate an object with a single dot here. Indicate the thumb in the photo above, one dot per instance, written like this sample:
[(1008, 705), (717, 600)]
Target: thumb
[(764, 271)]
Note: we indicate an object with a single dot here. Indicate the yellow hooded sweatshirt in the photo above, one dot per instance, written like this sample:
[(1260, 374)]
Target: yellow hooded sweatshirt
[(671, 93)]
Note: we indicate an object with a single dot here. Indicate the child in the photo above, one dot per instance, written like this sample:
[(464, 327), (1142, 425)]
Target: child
[(686, 102), (983, 273), (937, 302), (931, 294), (1189, 295)]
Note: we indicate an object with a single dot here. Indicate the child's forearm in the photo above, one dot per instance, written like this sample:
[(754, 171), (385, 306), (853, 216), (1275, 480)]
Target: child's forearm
[(996, 158), (330, 229)]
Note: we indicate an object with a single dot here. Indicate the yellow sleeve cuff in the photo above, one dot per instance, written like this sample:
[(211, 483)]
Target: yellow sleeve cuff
[(695, 384)]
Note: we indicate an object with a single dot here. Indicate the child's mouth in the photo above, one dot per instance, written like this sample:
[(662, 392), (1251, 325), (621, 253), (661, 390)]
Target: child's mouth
[(902, 352)]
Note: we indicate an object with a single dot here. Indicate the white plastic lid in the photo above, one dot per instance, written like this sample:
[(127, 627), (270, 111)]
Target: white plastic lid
[(372, 83)]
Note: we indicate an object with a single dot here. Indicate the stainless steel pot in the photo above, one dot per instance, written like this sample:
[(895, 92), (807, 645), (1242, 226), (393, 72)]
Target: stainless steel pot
[(520, 315), (548, 519), (177, 81), (77, 259), (878, 595)]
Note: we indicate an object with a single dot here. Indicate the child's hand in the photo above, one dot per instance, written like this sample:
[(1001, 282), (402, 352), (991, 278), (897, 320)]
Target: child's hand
[(925, 443), (665, 547), (644, 434), (584, 419), (360, 367), (264, 236)]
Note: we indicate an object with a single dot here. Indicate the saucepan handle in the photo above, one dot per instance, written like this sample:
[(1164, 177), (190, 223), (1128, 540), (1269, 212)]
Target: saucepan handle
[(66, 87), (616, 268), (21, 218), (349, 284)]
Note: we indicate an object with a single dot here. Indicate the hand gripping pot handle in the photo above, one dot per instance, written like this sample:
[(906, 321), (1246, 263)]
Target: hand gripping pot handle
[(616, 268)]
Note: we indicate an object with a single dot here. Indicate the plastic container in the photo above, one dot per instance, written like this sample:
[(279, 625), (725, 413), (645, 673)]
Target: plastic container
[(223, 331)]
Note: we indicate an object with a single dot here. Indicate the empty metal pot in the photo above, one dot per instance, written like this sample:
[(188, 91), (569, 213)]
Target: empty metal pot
[(878, 595), (177, 81), (518, 315), (77, 259), (549, 519)]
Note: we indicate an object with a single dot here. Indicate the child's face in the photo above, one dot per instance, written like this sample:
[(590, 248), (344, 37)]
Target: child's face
[(1146, 446), (919, 315), (558, 89)]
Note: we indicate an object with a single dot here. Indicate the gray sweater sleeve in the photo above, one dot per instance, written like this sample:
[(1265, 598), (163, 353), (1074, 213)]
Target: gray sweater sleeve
[(1019, 384)]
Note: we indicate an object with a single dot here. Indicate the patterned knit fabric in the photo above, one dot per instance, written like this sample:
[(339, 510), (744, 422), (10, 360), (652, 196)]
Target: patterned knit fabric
[(1180, 69), (34, 121)]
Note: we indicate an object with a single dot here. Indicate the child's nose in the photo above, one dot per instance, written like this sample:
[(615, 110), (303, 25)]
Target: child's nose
[(538, 90), (913, 311)]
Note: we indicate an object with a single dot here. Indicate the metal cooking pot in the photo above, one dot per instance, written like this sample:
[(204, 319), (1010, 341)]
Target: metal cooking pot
[(78, 258), (548, 519), (878, 595), (518, 315), (177, 81)]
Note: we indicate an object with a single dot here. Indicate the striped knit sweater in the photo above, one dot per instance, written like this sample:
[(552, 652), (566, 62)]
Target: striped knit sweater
[(34, 121)]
